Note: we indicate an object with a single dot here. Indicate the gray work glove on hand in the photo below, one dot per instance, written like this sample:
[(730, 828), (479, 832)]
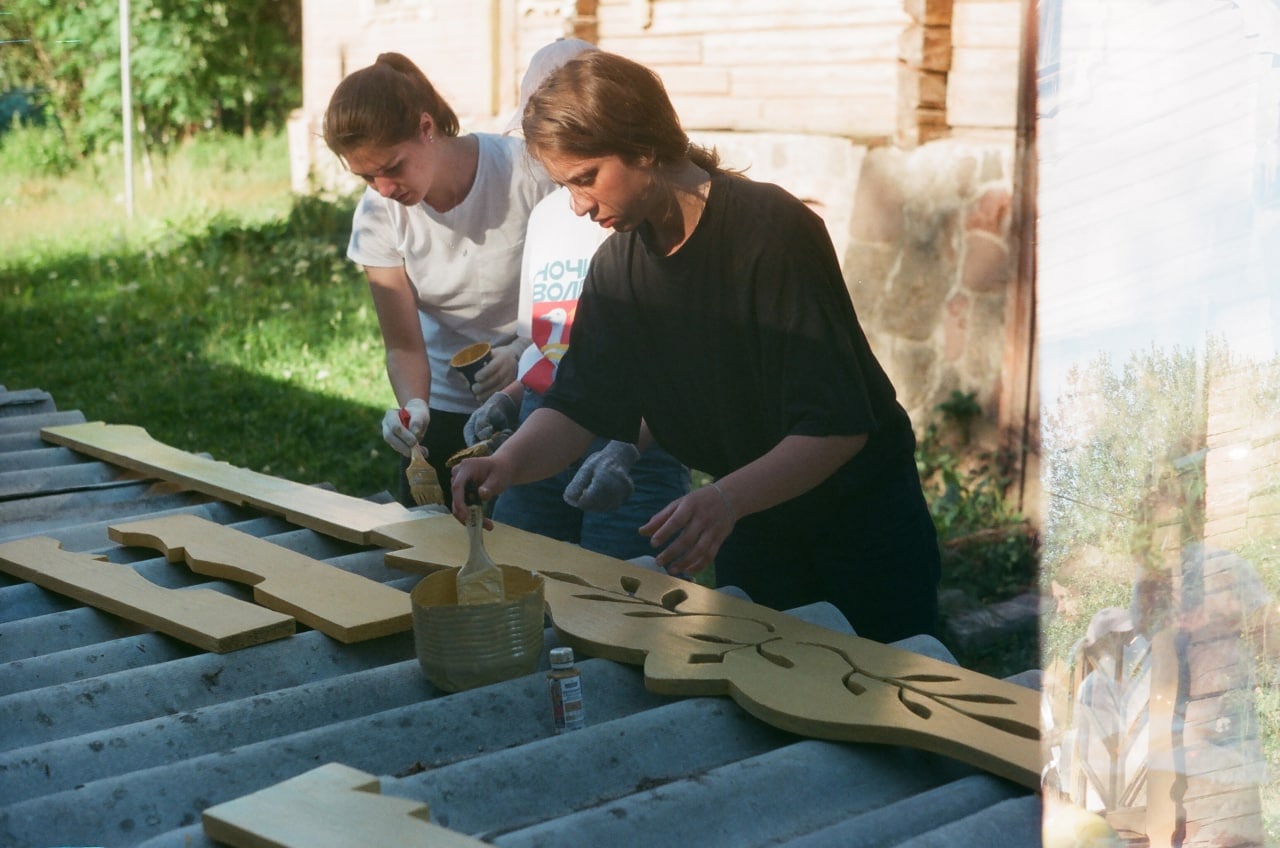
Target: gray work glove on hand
[(496, 414), (604, 480), (402, 437), (501, 369)]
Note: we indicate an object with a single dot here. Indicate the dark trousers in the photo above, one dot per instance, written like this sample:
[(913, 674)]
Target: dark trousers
[(872, 552), (442, 440)]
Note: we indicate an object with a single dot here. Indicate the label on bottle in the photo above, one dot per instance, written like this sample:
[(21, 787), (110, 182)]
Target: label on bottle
[(566, 701)]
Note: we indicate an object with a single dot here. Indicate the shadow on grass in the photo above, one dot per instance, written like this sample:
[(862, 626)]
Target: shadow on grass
[(183, 339), (245, 420)]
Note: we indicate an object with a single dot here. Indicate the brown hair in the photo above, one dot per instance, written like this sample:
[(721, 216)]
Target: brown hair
[(602, 104), (382, 105)]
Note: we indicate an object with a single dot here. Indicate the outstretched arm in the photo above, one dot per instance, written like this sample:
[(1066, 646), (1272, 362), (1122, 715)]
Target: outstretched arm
[(704, 518), (547, 442)]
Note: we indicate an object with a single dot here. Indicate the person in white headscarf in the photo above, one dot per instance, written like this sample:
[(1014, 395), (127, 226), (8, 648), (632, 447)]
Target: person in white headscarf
[(602, 498)]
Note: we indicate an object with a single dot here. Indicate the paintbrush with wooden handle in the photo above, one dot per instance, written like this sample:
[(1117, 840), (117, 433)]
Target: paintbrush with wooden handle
[(424, 483), (480, 579)]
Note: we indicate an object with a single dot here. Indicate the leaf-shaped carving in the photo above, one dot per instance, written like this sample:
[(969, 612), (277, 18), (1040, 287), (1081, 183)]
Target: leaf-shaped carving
[(617, 599), (929, 678), (1011, 726), (674, 598), (917, 708), (851, 683), (566, 577), (978, 698), (630, 584), (776, 659), (711, 637)]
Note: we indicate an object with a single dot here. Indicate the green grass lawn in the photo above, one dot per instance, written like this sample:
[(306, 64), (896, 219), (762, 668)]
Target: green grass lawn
[(224, 318)]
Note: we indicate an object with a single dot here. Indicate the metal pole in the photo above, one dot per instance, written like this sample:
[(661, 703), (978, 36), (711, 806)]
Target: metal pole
[(126, 96)]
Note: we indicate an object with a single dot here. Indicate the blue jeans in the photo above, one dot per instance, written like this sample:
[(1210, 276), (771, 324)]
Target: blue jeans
[(540, 507)]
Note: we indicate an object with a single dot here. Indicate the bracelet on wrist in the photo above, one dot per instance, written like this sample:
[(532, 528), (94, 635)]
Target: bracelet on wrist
[(727, 504)]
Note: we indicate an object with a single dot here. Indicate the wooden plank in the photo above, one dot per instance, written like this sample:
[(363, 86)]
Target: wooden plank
[(337, 515), (698, 16), (986, 23), (692, 640), (333, 806), (925, 47), (857, 118), (846, 82), (982, 87), (931, 12), (202, 617), (345, 606), (656, 52), (926, 90), (785, 49), (696, 79)]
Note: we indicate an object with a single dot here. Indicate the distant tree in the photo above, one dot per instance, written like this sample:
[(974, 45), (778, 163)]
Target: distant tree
[(1111, 441), (195, 66)]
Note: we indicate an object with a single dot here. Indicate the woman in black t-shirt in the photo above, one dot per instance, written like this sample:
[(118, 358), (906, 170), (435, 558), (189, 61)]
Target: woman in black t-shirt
[(719, 315)]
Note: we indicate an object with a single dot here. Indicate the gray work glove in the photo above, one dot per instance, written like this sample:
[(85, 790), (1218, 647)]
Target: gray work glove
[(501, 370), (494, 415), (604, 480)]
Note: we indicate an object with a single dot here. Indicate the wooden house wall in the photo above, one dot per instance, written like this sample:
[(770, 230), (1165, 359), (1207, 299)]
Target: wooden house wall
[(823, 67), (982, 81)]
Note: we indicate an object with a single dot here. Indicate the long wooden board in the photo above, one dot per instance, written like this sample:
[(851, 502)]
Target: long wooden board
[(333, 806), (202, 617), (345, 606), (341, 516)]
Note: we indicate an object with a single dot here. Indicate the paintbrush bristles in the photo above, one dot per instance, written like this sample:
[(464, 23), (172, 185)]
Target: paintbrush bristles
[(424, 484)]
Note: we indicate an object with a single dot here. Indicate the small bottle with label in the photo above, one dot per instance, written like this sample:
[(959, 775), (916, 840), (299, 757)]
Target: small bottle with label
[(565, 683)]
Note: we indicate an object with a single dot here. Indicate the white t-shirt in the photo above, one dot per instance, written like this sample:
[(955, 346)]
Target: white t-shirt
[(464, 263), (557, 250)]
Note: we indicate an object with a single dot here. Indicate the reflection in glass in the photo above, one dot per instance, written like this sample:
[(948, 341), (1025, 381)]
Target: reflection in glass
[(1158, 277)]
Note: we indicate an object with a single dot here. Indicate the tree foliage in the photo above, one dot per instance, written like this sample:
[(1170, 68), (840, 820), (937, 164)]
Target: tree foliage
[(1115, 437), (194, 66)]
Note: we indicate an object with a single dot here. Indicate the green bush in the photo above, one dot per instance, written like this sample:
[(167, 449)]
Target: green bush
[(988, 549), (34, 149)]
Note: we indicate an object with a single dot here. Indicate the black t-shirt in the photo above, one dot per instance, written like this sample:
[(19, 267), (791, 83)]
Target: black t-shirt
[(742, 337)]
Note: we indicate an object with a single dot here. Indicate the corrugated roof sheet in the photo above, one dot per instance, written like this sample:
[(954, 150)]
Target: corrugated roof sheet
[(117, 736)]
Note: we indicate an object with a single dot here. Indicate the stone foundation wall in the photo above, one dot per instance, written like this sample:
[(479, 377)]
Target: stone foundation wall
[(930, 262)]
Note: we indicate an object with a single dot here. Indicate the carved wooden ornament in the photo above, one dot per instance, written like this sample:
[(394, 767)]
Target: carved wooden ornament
[(798, 676)]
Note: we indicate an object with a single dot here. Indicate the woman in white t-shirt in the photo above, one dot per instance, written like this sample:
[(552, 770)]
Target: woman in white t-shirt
[(439, 232)]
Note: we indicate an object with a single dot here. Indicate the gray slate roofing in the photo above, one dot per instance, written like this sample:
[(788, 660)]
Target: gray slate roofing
[(113, 735)]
